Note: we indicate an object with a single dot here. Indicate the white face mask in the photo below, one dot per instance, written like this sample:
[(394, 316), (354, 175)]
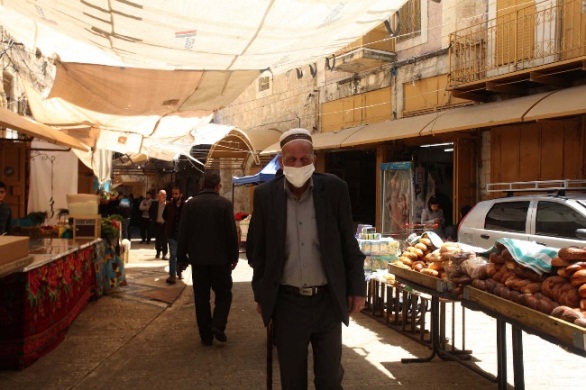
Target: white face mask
[(297, 176)]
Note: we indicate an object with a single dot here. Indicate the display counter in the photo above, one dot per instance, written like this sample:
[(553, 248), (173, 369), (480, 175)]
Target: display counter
[(570, 337), (39, 302)]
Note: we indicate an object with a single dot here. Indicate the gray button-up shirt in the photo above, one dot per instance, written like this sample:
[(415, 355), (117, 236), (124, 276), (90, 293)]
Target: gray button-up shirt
[(303, 266)]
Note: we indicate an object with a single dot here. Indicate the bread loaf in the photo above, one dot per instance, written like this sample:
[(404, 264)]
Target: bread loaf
[(563, 273), (490, 270), (418, 266), (572, 254), (580, 322), (418, 252), (527, 273), (546, 305), (507, 255), (430, 272), (479, 284), (582, 291), (450, 247), (565, 313), (426, 241), (570, 269), (496, 258), (558, 262), (549, 283), (400, 264), (437, 265), (421, 246), (406, 260), (531, 288), (569, 298), (491, 285), (579, 278)]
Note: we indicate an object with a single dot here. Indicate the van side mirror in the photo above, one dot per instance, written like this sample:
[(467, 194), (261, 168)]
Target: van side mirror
[(581, 233)]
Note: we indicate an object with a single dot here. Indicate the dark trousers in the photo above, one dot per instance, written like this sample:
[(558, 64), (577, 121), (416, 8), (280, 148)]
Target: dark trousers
[(160, 238), (219, 279), (146, 230), (298, 321)]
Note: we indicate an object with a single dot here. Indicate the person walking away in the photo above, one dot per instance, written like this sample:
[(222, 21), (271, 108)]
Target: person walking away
[(5, 212), (171, 215), (156, 213), (208, 241), (125, 211), (145, 218), (308, 271), (433, 214)]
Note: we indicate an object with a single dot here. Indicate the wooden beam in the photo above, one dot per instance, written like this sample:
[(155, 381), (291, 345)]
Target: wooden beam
[(543, 78), (511, 89), (471, 95)]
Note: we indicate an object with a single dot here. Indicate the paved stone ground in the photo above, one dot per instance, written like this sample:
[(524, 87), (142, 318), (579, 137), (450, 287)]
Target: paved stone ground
[(144, 336)]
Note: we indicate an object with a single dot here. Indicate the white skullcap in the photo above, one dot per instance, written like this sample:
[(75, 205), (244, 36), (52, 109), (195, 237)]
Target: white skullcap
[(294, 134)]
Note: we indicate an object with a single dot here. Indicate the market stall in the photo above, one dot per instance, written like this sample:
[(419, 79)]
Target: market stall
[(535, 289), (40, 299)]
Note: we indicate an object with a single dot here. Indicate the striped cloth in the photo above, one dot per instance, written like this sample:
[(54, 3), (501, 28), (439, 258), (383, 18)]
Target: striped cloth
[(529, 254)]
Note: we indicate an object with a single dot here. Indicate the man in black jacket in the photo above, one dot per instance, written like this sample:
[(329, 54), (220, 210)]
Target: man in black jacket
[(308, 270), (207, 236)]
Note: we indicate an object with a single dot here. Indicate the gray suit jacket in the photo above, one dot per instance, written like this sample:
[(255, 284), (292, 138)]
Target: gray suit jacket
[(265, 248)]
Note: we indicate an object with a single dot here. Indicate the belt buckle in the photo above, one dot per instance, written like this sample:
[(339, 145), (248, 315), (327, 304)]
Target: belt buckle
[(306, 291)]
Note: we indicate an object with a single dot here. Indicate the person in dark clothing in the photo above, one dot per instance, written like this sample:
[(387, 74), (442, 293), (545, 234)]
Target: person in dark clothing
[(172, 215), (125, 210), (208, 241), (146, 230), (156, 213), (5, 212), (308, 269)]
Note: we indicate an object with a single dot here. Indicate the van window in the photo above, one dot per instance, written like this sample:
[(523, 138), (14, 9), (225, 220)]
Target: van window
[(558, 220), (507, 216)]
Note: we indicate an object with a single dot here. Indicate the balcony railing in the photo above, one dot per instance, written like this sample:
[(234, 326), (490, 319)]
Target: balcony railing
[(520, 40)]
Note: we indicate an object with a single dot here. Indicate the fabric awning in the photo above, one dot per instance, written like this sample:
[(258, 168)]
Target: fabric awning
[(193, 34), (483, 115), (565, 102), (389, 130), (35, 129), (267, 173), (236, 145), (327, 140)]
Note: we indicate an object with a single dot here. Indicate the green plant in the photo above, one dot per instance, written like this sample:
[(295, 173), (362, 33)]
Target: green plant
[(110, 230)]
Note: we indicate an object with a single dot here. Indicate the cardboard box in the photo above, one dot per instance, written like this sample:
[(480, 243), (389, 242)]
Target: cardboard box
[(13, 248)]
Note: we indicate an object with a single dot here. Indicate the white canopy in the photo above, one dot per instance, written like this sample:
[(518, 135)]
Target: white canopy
[(142, 77)]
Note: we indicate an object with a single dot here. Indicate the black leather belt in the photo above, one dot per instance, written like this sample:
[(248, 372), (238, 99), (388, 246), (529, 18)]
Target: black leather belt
[(304, 291)]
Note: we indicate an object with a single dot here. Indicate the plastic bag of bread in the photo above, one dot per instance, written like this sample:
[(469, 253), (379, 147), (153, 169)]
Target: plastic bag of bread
[(475, 267)]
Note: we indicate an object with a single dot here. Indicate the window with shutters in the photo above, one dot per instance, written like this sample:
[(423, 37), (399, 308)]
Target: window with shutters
[(264, 83), (407, 21)]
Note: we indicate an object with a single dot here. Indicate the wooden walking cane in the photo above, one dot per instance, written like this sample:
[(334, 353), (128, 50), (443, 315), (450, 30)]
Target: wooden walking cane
[(270, 356)]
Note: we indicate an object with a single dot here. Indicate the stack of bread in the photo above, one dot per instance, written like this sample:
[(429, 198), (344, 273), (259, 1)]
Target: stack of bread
[(569, 284), (557, 295), (443, 262), (419, 257)]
